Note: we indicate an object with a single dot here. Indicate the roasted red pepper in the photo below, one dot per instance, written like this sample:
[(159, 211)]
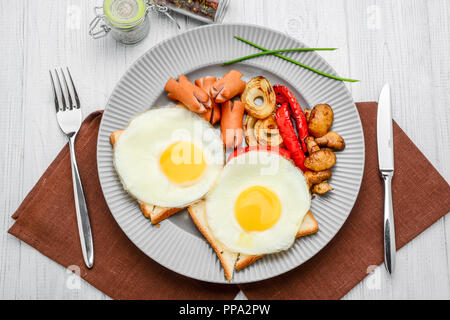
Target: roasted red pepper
[(284, 95), (277, 150), (280, 96), (290, 139)]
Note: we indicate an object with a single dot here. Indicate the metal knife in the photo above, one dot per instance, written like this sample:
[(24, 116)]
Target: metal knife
[(385, 144)]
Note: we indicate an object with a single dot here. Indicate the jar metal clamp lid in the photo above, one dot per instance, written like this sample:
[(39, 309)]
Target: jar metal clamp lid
[(127, 19)]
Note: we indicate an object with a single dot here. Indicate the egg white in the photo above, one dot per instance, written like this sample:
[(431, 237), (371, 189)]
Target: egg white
[(137, 152), (257, 168)]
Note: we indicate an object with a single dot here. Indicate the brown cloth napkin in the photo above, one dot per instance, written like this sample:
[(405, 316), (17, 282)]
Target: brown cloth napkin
[(420, 194), (46, 220)]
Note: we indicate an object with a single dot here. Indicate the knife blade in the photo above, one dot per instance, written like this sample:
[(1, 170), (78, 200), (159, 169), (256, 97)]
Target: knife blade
[(385, 144)]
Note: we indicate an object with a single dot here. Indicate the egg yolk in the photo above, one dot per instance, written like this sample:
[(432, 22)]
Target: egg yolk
[(182, 162), (257, 209)]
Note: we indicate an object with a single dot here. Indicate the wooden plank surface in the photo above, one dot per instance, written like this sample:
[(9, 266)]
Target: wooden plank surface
[(404, 42)]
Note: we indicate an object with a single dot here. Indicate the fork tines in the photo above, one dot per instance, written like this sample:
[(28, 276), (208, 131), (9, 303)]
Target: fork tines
[(59, 95)]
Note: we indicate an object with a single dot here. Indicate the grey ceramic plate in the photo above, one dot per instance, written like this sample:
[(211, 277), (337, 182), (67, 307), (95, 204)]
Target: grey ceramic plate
[(177, 244)]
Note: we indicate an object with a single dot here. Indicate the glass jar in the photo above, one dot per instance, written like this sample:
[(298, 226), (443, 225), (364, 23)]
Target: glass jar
[(126, 20)]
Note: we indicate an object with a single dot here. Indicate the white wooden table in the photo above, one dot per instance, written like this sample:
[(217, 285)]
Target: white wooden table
[(404, 42)]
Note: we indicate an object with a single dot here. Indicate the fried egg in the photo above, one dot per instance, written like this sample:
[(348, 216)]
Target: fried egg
[(258, 204), (169, 157)]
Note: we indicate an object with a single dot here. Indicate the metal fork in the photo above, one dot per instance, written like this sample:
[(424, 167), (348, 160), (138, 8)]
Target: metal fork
[(68, 114)]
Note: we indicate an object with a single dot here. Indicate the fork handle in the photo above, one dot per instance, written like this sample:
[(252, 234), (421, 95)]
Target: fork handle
[(84, 225)]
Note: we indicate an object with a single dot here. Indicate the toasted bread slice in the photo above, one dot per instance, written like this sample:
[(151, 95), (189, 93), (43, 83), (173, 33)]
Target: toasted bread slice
[(157, 214), (229, 259), (226, 257), (154, 213), (114, 137), (308, 226)]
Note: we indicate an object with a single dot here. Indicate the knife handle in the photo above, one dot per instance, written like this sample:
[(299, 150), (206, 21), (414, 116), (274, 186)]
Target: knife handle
[(389, 226)]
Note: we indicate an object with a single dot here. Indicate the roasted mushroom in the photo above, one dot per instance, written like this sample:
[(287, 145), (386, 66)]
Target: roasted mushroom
[(321, 188), (307, 114), (311, 145), (313, 177), (320, 160), (320, 120), (331, 140)]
